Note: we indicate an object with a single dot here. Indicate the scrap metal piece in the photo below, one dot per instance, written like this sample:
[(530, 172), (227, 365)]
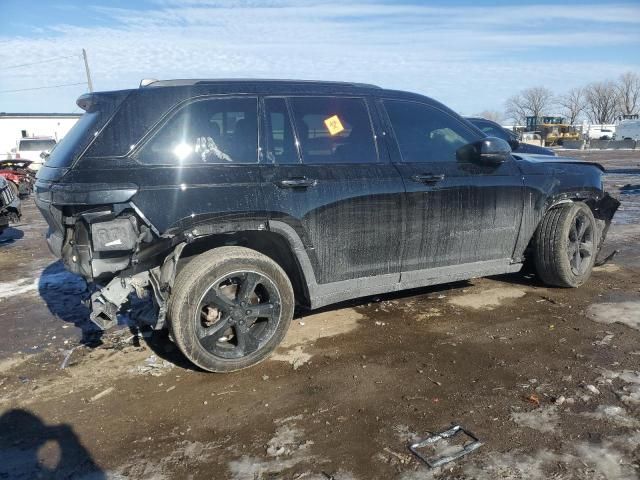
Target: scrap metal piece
[(607, 259), (436, 462)]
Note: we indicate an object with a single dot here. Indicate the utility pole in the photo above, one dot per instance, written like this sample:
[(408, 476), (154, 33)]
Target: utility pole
[(86, 68)]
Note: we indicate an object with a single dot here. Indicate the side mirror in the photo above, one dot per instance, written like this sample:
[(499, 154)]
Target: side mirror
[(514, 143), (489, 151)]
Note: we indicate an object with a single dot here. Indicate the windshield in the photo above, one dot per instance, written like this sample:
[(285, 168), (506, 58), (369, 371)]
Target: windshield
[(36, 145), (492, 130)]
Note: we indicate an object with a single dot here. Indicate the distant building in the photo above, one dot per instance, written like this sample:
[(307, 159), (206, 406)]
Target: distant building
[(14, 126)]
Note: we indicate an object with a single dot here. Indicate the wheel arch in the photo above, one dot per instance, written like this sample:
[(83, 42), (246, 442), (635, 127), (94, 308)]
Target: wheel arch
[(271, 244), (602, 205)]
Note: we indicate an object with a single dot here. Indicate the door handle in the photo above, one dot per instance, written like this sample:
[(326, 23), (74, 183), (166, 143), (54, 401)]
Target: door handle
[(297, 183), (428, 178)]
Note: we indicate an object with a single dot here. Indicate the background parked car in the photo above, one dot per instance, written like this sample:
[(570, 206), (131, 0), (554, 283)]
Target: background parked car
[(9, 205), (20, 177), (32, 149), (493, 129)]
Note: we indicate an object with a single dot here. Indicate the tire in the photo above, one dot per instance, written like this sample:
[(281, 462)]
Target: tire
[(565, 245), (209, 321)]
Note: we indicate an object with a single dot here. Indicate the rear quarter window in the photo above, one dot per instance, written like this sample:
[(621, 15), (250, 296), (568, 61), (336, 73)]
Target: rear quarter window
[(220, 130)]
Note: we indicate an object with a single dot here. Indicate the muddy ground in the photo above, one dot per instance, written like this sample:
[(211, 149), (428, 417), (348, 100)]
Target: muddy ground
[(548, 379)]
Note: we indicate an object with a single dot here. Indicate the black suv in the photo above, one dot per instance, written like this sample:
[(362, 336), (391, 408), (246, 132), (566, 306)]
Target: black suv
[(230, 202), (494, 129)]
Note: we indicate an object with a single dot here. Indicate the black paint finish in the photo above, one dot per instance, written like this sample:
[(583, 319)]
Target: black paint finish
[(342, 222)]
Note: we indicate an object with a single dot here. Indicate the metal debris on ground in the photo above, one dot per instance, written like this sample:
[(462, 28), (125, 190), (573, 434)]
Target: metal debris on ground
[(606, 259), (432, 440), (154, 366), (67, 357), (103, 393)]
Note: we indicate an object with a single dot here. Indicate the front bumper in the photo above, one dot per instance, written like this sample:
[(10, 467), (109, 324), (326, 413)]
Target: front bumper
[(604, 210)]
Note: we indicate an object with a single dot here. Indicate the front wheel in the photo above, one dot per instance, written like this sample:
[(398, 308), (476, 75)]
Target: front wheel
[(565, 245), (231, 307)]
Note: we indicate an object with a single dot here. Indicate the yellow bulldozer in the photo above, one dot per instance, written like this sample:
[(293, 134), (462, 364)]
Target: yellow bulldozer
[(553, 130)]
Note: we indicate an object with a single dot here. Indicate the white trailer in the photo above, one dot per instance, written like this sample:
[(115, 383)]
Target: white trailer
[(600, 132), (628, 129)]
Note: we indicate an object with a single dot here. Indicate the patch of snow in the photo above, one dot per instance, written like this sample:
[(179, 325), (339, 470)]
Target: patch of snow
[(627, 313), (18, 287), (487, 299), (542, 419), (615, 414)]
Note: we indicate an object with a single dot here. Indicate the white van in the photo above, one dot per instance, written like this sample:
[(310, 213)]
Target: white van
[(628, 129), (30, 148)]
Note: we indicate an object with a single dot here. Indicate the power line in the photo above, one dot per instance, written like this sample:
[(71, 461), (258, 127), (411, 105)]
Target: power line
[(42, 88), (51, 59)]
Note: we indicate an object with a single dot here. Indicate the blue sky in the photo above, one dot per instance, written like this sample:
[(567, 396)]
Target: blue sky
[(471, 55)]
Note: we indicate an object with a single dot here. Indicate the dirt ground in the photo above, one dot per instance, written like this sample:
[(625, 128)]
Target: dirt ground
[(548, 379)]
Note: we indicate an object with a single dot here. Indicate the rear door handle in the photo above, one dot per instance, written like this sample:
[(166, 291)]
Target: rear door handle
[(428, 178), (297, 183)]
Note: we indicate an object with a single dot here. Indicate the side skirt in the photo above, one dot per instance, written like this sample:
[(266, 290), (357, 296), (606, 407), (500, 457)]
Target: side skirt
[(329, 293)]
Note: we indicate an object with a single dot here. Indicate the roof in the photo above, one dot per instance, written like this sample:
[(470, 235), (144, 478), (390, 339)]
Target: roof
[(39, 115), (191, 87)]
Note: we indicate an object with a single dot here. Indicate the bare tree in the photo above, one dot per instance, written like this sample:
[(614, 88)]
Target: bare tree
[(602, 102), (572, 104), (492, 115), (514, 109), (628, 90), (535, 101)]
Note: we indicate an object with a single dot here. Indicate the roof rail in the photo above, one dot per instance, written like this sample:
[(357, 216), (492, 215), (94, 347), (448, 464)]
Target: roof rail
[(145, 82), (214, 81)]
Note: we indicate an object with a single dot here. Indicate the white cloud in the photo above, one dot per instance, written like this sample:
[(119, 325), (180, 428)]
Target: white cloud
[(469, 57)]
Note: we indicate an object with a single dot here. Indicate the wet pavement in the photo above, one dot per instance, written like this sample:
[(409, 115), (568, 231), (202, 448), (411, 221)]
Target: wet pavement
[(549, 379)]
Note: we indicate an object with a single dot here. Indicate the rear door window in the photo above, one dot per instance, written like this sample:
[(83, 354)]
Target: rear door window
[(334, 130), (221, 130), (426, 134)]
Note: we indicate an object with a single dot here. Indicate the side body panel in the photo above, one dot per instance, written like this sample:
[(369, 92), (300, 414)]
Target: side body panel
[(473, 214), (456, 212), (349, 219), (549, 181), (175, 198)]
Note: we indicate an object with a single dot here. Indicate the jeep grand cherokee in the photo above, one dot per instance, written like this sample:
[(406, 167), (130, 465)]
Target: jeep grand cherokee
[(229, 202)]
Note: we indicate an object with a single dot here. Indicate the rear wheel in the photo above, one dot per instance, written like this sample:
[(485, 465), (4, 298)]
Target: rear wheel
[(565, 245), (231, 307)]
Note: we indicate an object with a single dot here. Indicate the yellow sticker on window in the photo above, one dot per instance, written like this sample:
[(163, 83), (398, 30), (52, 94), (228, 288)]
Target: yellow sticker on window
[(334, 125)]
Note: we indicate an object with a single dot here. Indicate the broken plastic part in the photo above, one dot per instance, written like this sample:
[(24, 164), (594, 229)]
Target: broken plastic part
[(606, 259), (106, 302), (429, 441)]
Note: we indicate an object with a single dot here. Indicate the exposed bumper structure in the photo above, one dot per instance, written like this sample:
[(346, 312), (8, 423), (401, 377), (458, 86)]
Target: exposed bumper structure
[(604, 210)]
